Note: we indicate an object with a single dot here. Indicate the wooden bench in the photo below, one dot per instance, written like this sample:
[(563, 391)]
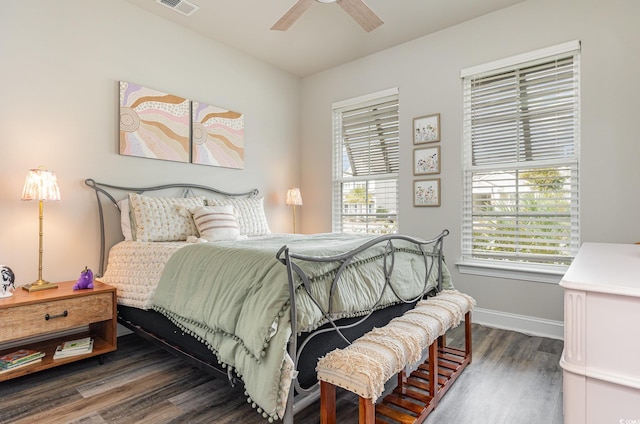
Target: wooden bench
[(370, 361)]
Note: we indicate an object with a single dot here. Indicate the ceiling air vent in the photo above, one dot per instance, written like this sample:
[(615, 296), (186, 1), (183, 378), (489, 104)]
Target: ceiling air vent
[(180, 6)]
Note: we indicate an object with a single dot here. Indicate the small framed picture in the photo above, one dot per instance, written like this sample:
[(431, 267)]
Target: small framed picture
[(426, 160), (426, 192), (426, 129)]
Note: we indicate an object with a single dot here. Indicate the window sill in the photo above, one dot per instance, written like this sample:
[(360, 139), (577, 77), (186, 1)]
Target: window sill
[(539, 274)]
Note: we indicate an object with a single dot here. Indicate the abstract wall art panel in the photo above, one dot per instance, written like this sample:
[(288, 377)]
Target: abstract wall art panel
[(217, 136), (153, 124)]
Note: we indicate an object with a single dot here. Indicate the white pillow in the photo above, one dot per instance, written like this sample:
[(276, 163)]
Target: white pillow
[(125, 219), (216, 223), (163, 218), (249, 212)]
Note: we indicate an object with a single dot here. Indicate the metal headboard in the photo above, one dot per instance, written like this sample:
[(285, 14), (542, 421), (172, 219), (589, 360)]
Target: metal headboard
[(108, 192)]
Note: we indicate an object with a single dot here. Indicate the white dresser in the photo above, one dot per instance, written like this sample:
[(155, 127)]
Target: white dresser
[(601, 357)]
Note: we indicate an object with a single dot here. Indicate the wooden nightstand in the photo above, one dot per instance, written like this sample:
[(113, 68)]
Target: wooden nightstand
[(27, 315)]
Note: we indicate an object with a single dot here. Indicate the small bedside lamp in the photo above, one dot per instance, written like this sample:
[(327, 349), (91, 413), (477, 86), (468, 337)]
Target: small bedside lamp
[(294, 199), (40, 185)]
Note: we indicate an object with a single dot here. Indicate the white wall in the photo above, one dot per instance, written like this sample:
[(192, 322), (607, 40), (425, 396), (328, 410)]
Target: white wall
[(59, 67), (427, 72)]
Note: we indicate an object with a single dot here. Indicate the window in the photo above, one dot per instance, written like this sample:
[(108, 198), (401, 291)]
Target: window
[(365, 164), (521, 139)]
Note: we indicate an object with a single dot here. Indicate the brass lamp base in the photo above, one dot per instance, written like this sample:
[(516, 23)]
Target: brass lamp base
[(39, 285)]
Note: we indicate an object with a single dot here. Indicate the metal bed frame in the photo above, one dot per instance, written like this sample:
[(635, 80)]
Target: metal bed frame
[(430, 250)]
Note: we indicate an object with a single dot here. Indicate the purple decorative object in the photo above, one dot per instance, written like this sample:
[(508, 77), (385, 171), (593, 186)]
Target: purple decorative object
[(85, 281)]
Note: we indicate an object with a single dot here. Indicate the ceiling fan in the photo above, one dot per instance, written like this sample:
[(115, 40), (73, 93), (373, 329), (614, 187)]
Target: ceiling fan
[(357, 9)]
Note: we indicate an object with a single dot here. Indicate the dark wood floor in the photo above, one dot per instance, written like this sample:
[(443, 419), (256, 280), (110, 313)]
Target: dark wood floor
[(514, 378)]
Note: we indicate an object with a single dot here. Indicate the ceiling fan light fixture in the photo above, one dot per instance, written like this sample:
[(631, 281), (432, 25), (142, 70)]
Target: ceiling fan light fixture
[(357, 9)]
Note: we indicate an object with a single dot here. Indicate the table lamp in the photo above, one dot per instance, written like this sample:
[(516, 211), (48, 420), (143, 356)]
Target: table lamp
[(40, 185), (294, 199)]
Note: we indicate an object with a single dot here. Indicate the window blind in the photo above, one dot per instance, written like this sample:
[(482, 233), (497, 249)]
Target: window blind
[(366, 163), (521, 133)]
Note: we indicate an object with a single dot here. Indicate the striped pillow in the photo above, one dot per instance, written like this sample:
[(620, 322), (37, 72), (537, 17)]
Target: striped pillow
[(216, 223)]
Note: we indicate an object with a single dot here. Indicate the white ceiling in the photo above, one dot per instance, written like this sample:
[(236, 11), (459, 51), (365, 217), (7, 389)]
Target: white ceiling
[(325, 36)]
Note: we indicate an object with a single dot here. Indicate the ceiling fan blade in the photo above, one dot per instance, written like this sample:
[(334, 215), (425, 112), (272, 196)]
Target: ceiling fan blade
[(292, 15), (361, 13)]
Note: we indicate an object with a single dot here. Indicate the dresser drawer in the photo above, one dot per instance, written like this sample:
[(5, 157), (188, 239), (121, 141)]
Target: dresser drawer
[(54, 315)]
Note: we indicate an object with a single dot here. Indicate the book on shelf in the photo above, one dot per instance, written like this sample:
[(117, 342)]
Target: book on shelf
[(18, 357), (72, 350), (78, 344), (20, 365)]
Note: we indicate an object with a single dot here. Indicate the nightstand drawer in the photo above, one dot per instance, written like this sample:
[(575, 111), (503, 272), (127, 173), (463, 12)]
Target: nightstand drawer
[(54, 315)]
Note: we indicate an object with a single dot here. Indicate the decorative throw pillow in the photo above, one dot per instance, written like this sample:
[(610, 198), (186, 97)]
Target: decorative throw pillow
[(249, 212), (125, 219), (163, 218), (216, 223)]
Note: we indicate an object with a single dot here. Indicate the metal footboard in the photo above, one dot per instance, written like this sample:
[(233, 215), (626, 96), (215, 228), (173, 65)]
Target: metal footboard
[(433, 258)]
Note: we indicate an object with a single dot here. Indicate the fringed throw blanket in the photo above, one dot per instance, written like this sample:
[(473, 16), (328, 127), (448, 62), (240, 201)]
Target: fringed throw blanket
[(234, 296)]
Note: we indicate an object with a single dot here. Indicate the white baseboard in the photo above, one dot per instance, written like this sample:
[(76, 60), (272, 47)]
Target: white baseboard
[(520, 323)]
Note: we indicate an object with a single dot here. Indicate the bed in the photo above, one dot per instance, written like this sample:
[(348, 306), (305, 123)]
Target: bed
[(238, 301)]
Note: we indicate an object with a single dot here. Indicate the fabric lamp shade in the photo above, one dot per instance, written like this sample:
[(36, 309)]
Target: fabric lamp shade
[(41, 185), (294, 198)]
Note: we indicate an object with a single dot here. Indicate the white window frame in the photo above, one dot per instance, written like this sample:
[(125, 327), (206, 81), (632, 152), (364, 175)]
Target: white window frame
[(471, 262), (387, 177)]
